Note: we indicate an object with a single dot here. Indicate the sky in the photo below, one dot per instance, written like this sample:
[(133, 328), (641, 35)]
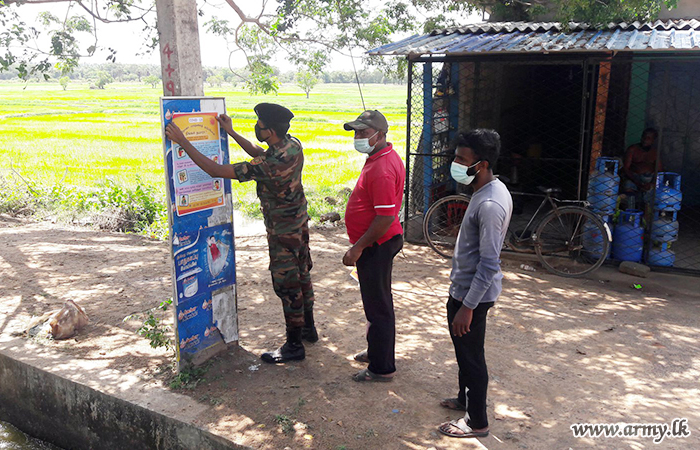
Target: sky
[(128, 39)]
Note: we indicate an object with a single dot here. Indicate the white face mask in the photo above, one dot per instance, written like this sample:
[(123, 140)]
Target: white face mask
[(362, 145), (460, 172)]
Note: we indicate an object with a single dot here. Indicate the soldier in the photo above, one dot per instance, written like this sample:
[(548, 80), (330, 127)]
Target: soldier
[(277, 172)]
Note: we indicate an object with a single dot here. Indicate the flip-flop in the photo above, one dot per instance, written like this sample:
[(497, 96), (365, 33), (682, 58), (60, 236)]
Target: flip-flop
[(460, 424), (366, 375), (453, 403), (362, 357)]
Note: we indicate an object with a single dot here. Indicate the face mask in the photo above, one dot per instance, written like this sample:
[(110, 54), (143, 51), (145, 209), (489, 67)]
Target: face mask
[(258, 133), (461, 174), (362, 145)]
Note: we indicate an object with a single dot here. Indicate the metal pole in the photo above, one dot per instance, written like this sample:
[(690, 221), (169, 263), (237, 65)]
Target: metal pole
[(584, 89), (407, 184)]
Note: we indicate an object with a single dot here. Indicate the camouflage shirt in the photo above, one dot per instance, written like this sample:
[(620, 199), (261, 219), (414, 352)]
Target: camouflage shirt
[(277, 173)]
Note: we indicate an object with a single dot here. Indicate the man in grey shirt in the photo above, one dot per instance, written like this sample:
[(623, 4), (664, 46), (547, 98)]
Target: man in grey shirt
[(476, 275)]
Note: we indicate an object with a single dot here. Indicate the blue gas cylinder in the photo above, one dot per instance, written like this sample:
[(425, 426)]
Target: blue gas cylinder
[(603, 185), (664, 228), (661, 255), (628, 239), (593, 240), (668, 191)]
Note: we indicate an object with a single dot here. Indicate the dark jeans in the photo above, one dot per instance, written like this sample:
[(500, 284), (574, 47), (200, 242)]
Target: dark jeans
[(374, 272), (473, 374)]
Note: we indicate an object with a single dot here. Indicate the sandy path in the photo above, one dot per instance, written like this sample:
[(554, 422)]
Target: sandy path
[(559, 351)]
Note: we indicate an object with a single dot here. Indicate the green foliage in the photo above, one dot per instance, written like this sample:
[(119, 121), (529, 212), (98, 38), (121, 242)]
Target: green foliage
[(109, 205), (596, 13), (262, 79), (14, 199), (139, 207), (306, 30), (103, 79), (600, 13), (152, 80), (189, 377), (47, 141), (215, 80), (306, 80), (64, 82), (153, 328), (285, 422)]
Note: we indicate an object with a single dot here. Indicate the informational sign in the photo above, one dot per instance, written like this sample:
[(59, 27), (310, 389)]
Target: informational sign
[(194, 189), (201, 231)]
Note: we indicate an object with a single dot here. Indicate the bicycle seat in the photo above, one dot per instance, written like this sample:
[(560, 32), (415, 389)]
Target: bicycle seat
[(546, 190)]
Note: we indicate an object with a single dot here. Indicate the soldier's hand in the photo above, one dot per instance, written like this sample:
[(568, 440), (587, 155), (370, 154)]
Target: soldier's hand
[(174, 133), (351, 256), (225, 122)]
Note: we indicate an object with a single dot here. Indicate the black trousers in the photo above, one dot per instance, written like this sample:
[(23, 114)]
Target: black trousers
[(473, 374), (374, 272)]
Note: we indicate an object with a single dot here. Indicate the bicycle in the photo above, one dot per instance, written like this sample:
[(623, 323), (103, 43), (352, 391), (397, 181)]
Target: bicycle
[(570, 241)]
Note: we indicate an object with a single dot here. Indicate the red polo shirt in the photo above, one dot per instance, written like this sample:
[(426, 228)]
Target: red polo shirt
[(378, 192)]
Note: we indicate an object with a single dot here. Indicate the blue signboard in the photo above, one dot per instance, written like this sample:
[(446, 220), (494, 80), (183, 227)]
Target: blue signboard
[(201, 231)]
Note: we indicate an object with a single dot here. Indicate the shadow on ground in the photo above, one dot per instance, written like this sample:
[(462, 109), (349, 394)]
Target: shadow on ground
[(560, 351)]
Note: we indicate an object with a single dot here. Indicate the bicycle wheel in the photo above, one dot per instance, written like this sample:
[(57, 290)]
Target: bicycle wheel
[(442, 221), (572, 241)]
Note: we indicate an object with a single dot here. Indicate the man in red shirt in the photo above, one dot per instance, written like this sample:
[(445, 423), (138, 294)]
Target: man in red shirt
[(376, 235)]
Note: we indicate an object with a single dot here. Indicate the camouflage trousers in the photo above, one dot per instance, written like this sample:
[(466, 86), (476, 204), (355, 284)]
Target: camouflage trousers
[(290, 266)]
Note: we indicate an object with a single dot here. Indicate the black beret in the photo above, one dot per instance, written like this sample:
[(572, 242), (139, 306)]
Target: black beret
[(270, 113)]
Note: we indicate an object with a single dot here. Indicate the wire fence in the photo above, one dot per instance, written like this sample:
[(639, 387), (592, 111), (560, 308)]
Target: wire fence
[(576, 125)]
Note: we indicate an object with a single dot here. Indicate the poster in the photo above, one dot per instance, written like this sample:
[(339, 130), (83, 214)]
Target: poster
[(202, 243), (194, 189)]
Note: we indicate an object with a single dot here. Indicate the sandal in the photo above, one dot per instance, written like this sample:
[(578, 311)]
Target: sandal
[(465, 431), (366, 375), (362, 357), (453, 403)]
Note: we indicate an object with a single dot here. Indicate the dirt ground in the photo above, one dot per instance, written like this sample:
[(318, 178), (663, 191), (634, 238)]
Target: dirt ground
[(559, 351)]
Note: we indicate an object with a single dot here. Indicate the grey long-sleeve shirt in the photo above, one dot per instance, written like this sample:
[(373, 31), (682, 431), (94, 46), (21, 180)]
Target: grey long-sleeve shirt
[(476, 266)]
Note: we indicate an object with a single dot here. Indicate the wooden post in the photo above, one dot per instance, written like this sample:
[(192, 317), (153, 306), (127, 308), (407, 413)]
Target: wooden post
[(600, 110)]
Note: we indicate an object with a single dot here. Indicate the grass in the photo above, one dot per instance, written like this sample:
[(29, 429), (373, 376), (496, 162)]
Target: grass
[(82, 137)]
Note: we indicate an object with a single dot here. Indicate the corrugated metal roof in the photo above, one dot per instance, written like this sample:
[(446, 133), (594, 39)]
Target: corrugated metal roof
[(541, 37), (497, 27)]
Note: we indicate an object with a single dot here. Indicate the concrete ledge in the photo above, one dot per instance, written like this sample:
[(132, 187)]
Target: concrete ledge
[(75, 416)]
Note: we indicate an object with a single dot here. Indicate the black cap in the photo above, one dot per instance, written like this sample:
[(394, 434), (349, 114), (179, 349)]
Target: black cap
[(368, 119), (270, 113)]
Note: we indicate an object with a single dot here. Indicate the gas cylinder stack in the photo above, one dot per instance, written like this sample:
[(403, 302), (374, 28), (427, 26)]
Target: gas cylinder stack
[(664, 228), (603, 186)]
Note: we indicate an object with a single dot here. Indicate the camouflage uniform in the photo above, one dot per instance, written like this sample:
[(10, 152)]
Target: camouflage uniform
[(278, 176)]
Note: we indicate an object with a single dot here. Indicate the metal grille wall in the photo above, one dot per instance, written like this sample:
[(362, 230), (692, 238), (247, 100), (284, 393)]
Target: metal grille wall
[(568, 124), (657, 209), (535, 106)]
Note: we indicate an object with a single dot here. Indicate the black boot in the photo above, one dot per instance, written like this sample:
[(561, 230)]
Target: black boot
[(292, 350), (309, 333)]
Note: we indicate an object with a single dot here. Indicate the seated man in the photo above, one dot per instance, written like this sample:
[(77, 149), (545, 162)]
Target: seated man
[(639, 168)]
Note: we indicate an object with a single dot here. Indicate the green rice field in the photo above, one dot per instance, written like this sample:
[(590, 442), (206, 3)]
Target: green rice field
[(82, 137)]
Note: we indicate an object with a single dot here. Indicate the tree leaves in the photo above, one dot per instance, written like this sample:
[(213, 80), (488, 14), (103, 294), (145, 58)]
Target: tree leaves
[(306, 30), (602, 12)]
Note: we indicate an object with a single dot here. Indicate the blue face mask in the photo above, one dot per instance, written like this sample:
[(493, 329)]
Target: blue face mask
[(362, 145), (461, 174)]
